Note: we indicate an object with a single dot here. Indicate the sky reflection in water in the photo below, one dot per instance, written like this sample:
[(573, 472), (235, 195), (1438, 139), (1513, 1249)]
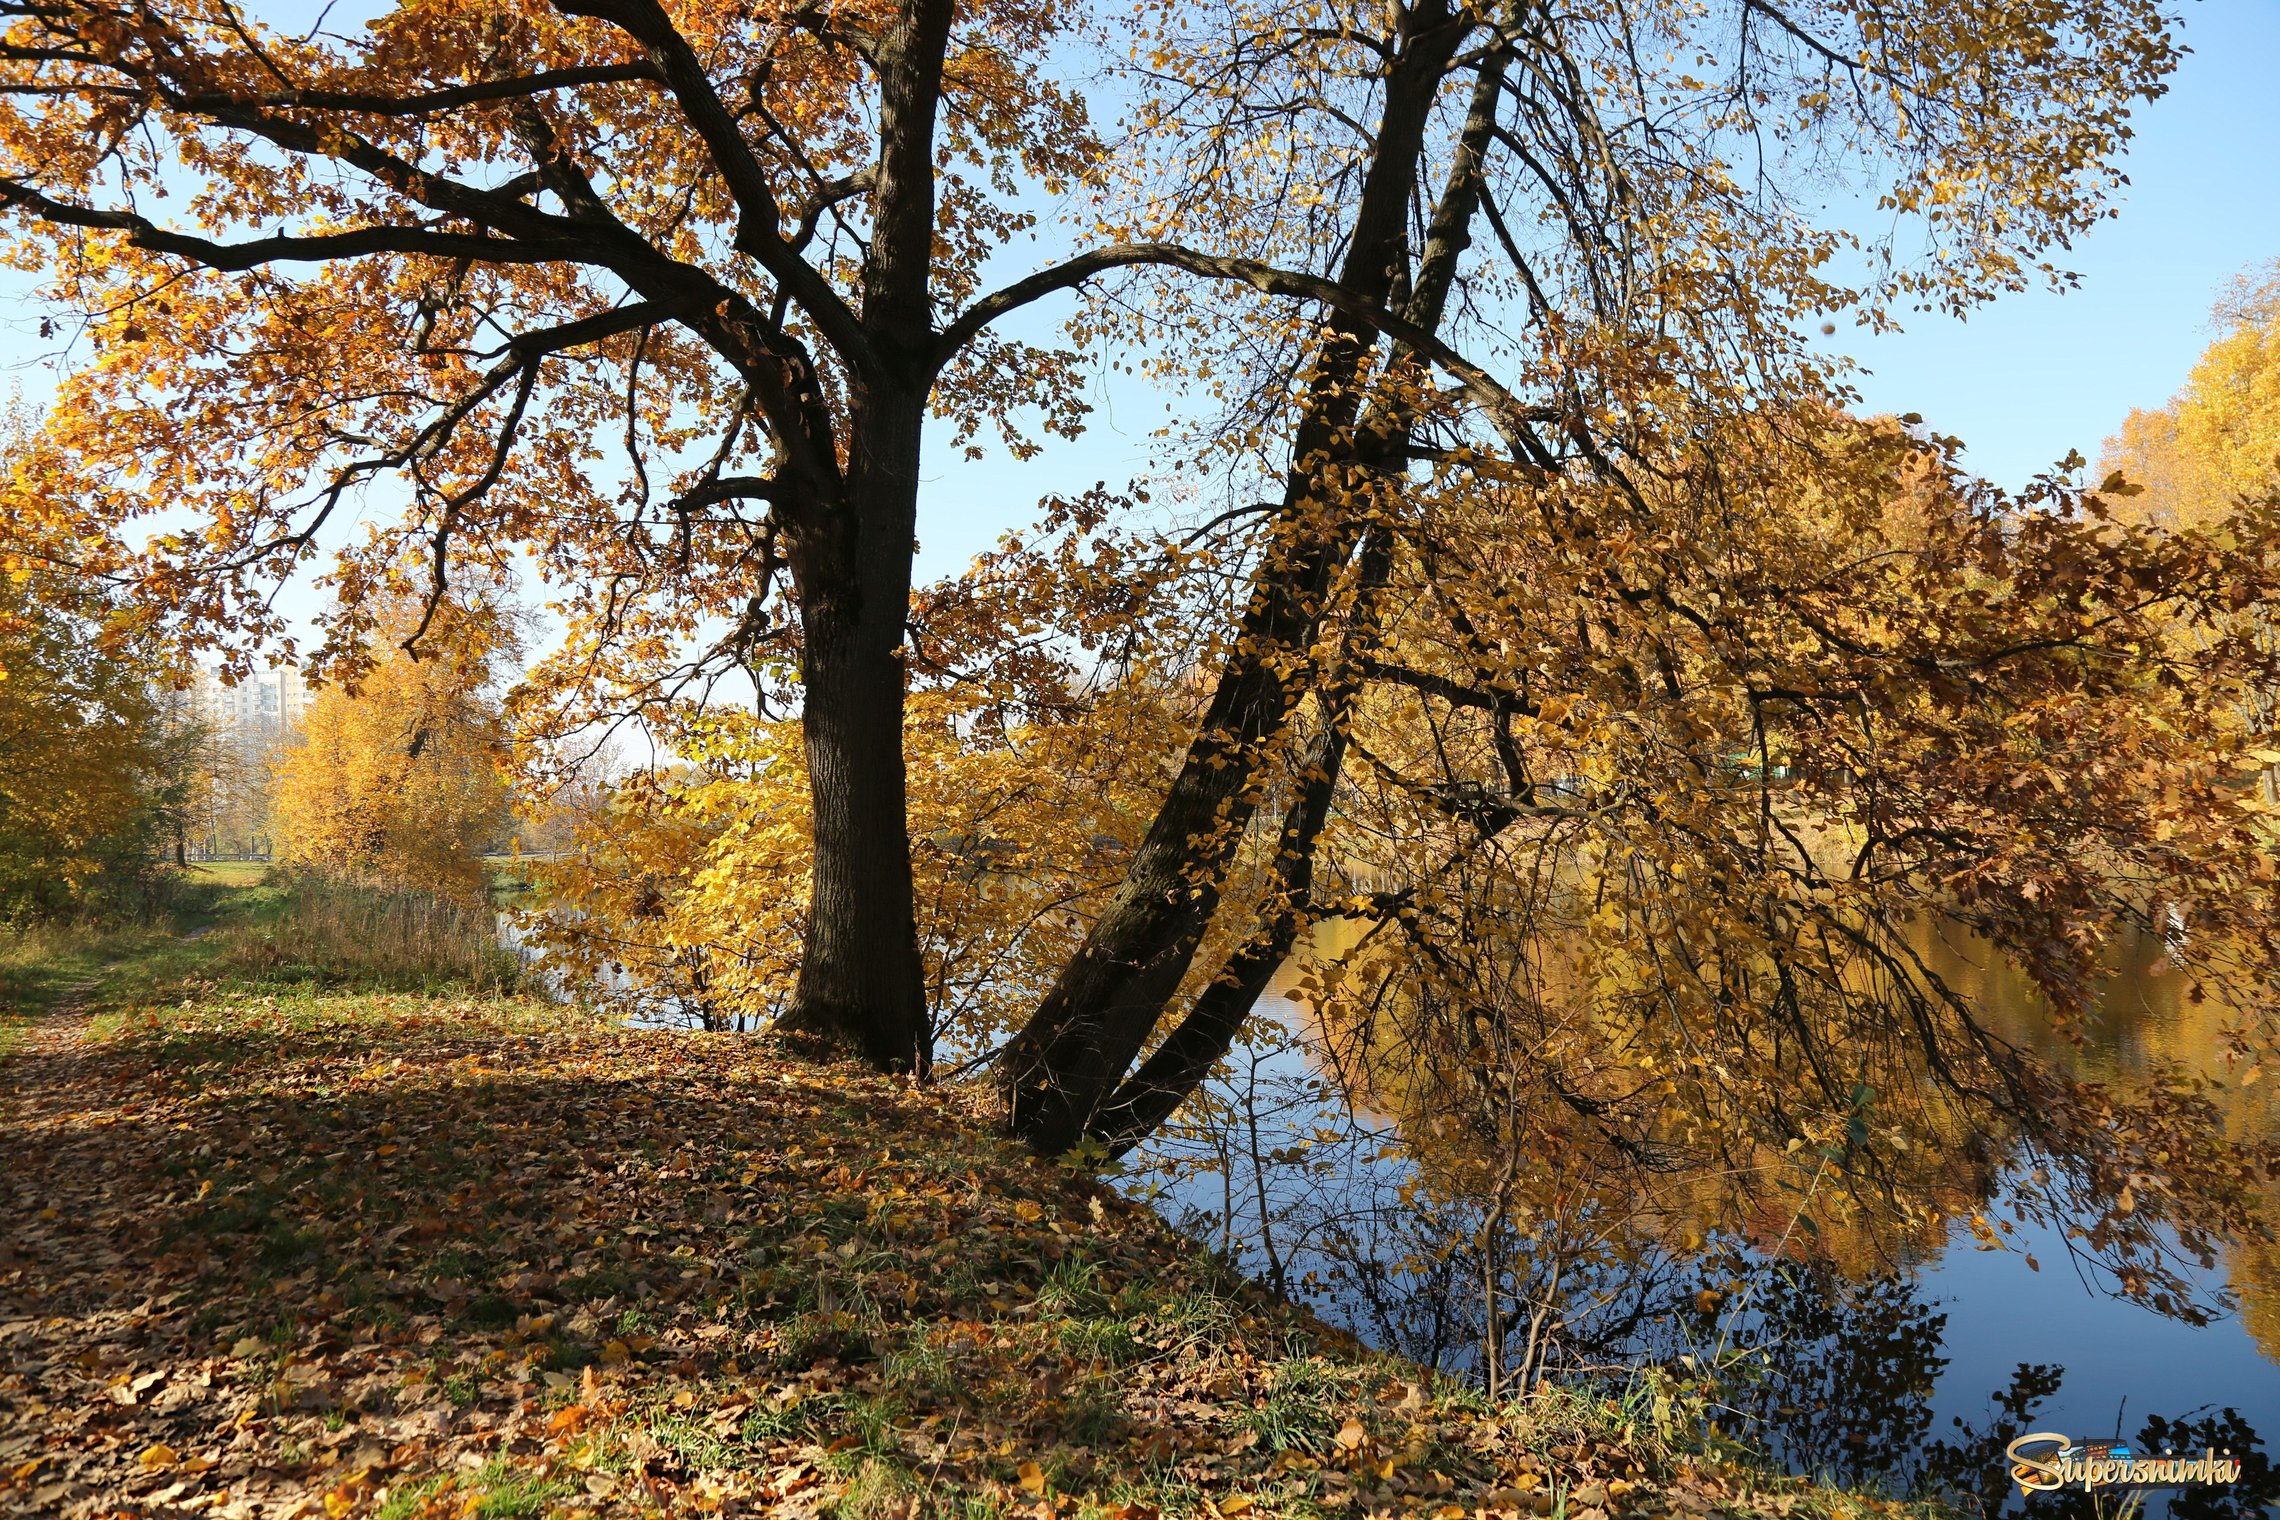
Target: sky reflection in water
[(1910, 1377)]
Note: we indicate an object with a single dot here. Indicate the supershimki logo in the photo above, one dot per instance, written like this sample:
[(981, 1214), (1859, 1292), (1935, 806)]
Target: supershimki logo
[(2043, 1461)]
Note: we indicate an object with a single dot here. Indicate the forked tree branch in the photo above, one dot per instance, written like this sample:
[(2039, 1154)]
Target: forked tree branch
[(759, 230)]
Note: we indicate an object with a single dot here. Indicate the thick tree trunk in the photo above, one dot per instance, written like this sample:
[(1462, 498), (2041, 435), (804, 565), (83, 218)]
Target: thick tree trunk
[(861, 983)]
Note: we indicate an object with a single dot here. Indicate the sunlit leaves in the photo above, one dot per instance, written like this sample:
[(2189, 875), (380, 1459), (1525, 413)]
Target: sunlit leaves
[(86, 748), (397, 780)]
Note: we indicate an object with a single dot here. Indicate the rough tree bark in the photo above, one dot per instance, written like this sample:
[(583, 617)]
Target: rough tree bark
[(861, 984), (861, 981)]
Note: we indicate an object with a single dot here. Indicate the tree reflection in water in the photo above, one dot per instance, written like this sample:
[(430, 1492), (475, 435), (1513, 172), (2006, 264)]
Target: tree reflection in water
[(1839, 1380), (1783, 1310)]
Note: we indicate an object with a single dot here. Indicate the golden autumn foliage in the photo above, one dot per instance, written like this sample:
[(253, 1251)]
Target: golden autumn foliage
[(396, 780), (1532, 589), (2214, 445), (1665, 883), (2219, 437), (1666, 891), (96, 752), (85, 784), (1553, 540), (653, 302), (1031, 774)]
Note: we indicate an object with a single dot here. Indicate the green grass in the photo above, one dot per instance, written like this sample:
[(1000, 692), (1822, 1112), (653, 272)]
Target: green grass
[(310, 929), (246, 924), (41, 963), (44, 964), (495, 1491), (510, 877), (231, 873), (1295, 1413), (406, 1500)]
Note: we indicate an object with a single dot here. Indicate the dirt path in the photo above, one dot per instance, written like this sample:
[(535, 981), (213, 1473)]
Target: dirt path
[(65, 1022)]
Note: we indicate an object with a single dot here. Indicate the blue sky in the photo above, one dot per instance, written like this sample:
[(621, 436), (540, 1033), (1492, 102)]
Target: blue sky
[(2037, 374), (2021, 382)]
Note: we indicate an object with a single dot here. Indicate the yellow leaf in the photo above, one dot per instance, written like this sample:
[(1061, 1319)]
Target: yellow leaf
[(160, 1455), (1028, 1212), (1033, 1477), (1236, 1504)]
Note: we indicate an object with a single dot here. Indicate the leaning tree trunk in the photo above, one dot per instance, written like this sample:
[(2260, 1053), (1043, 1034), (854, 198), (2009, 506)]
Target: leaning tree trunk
[(1067, 1063), (1064, 1075), (1195, 1045)]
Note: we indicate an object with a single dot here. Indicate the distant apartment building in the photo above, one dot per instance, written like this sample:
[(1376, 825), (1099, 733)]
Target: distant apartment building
[(257, 712), (247, 726)]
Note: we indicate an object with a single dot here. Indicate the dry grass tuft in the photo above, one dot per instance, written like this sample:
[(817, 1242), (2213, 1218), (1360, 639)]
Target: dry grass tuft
[(327, 929)]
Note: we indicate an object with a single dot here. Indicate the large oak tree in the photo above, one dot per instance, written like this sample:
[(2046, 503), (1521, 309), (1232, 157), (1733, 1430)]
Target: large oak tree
[(656, 301)]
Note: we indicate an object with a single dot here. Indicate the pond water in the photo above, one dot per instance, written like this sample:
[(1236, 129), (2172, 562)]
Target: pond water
[(1903, 1359)]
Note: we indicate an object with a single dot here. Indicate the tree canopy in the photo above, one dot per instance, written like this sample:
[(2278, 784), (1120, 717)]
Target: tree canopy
[(90, 780)]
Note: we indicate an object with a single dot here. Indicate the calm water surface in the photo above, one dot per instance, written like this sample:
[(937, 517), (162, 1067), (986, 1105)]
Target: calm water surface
[(1907, 1373)]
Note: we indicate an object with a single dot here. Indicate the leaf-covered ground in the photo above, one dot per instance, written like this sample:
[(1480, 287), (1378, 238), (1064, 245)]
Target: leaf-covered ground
[(310, 1252)]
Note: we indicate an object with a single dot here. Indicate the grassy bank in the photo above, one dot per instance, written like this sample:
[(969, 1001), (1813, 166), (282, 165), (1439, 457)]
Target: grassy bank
[(47, 965), (293, 1245)]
